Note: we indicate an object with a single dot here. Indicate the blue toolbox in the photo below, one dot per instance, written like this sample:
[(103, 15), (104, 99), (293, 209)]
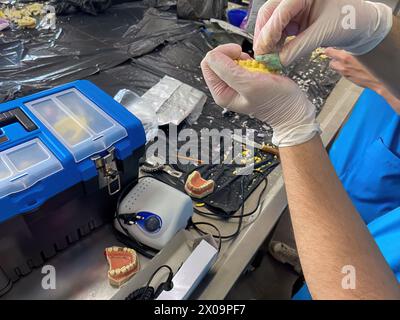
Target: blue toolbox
[(65, 154)]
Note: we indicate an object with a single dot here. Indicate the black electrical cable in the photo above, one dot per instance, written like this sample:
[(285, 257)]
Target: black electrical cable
[(241, 216), (144, 250), (147, 292), (158, 270), (218, 215), (221, 237), (195, 224)]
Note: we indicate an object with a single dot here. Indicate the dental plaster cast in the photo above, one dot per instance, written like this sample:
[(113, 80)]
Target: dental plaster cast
[(197, 187), (123, 264)]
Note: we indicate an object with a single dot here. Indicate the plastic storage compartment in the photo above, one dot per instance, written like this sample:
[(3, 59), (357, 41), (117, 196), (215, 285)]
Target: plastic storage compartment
[(24, 165), (4, 171), (52, 190), (83, 127)]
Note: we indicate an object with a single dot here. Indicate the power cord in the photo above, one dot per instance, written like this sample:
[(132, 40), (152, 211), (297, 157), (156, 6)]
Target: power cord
[(147, 292), (196, 224), (217, 215), (240, 217), (150, 252), (221, 238)]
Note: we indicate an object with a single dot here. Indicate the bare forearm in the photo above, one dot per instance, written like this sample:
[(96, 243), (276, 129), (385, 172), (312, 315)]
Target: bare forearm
[(384, 61), (329, 232)]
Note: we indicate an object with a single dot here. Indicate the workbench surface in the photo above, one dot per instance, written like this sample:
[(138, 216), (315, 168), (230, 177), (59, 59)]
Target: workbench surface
[(82, 268)]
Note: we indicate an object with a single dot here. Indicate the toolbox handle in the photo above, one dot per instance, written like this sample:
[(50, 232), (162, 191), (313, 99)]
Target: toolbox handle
[(17, 116)]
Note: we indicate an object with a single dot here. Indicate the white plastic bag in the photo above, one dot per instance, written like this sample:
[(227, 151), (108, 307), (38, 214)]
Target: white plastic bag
[(174, 101), (142, 110)]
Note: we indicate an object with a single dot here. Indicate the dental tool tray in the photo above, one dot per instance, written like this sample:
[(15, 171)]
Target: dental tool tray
[(65, 154)]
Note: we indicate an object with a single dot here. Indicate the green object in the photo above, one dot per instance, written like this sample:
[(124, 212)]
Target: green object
[(271, 61)]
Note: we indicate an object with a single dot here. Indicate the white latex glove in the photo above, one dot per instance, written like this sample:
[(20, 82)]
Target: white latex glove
[(320, 23), (274, 99)]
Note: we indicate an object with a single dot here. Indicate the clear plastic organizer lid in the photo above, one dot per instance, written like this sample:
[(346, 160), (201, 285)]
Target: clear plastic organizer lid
[(24, 165), (78, 123)]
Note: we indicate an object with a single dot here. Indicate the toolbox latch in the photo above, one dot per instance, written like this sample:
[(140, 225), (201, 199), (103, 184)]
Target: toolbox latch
[(108, 172)]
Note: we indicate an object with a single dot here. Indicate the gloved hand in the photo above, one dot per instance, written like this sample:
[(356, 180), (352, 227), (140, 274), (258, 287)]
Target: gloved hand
[(356, 26), (273, 99)]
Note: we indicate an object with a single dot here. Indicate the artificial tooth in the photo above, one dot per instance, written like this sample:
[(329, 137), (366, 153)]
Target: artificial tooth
[(117, 271)]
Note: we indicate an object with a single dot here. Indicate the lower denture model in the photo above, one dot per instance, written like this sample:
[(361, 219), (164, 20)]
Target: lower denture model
[(123, 264), (197, 187)]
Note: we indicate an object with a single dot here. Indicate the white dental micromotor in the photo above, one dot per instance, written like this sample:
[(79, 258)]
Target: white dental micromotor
[(159, 211)]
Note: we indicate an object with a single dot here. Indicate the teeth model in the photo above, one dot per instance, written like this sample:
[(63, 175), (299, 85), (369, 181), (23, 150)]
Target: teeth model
[(271, 61), (197, 187), (123, 264), (253, 66)]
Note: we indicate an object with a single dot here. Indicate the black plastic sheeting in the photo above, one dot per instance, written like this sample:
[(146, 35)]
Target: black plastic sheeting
[(193, 9), (201, 9), (181, 60), (48, 60), (131, 46), (160, 3), (88, 6), (156, 28), (83, 45), (315, 78)]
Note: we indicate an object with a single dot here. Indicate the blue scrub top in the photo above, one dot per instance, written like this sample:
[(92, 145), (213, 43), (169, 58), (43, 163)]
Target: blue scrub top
[(366, 157)]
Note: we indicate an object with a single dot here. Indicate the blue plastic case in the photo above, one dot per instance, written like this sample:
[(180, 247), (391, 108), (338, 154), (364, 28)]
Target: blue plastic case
[(48, 141)]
